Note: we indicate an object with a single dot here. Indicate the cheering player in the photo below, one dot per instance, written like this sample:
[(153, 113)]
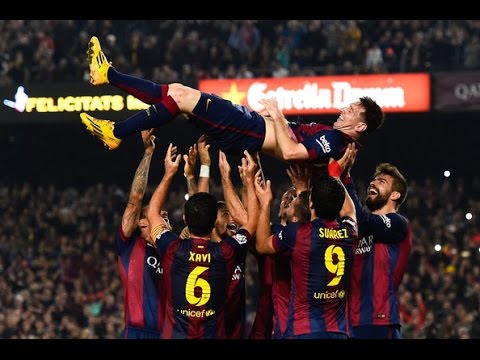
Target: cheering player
[(198, 270), (381, 255), (321, 257), (140, 269)]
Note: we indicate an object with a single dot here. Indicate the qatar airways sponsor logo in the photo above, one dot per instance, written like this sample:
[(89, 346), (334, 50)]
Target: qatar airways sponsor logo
[(467, 92), (312, 97), (365, 245), (153, 262)]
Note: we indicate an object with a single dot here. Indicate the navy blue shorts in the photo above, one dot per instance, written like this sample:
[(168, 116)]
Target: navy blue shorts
[(232, 128), (377, 332)]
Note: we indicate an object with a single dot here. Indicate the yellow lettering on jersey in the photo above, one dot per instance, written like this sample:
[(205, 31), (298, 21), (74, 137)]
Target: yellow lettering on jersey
[(332, 233), (199, 257)]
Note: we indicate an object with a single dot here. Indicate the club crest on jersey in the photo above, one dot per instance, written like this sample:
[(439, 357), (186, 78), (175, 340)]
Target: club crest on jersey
[(240, 238)]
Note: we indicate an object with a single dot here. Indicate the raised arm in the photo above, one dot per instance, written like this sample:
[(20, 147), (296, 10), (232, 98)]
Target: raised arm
[(203, 147), (234, 204), (172, 162), (139, 185), (263, 190), (335, 171), (241, 172), (346, 164), (289, 149), (250, 168), (189, 169)]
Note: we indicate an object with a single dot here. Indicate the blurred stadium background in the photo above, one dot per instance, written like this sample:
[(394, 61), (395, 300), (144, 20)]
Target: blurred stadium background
[(62, 194)]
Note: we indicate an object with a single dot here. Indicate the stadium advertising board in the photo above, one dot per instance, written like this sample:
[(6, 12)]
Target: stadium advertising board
[(456, 91), (64, 102), (326, 94)]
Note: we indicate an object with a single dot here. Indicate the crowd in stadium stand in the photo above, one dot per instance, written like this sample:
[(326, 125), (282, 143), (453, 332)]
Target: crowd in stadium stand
[(59, 275), (58, 267), (165, 51)]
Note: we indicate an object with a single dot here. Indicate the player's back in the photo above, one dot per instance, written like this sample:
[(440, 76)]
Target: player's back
[(322, 256), (198, 273)]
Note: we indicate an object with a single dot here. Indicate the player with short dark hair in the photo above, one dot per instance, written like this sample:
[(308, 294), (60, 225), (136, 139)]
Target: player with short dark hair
[(274, 281), (198, 270), (321, 258), (233, 128), (274, 270)]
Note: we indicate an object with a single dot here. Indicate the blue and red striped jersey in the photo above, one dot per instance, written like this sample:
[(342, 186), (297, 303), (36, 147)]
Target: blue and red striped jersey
[(322, 141), (282, 277), (321, 263), (143, 282), (235, 311), (274, 293), (198, 273), (281, 293), (263, 324), (380, 261)]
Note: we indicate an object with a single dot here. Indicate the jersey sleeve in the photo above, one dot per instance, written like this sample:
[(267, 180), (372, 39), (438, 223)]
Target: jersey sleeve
[(350, 225), (124, 243), (164, 239), (324, 144), (389, 228), (239, 241), (285, 238), (359, 209)]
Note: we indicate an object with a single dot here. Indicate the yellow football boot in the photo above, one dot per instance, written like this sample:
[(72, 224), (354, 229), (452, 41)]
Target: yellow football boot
[(98, 62), (102, 129)]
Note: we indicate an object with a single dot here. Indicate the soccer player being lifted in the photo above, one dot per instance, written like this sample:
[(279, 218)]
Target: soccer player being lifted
[(232, 128)]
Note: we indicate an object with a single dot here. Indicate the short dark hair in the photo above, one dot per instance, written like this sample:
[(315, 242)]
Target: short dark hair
[(201, 213), (374, 115), (302, 209), (399, 182), (327, 196)]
